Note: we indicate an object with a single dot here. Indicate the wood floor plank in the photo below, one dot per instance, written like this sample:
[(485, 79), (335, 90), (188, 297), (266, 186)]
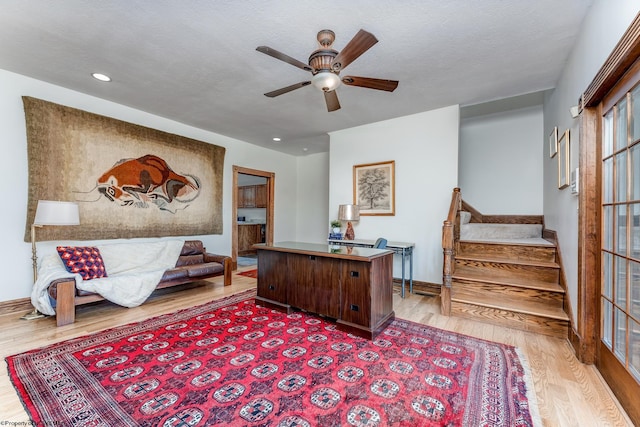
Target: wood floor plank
[(568, 393)]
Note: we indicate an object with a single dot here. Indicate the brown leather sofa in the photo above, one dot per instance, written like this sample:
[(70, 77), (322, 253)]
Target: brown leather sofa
[(194, 263)]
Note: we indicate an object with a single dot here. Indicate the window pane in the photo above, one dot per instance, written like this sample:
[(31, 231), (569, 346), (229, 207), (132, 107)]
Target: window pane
[(607, 268), (635, 113), (607, 137), (621, 125), (634, 349), (607, 181), (620, 335), (635, 170), (606, 323), (621, 229), (621, 282), (607, 231), (621, 170), (635, 290), (634, 223)]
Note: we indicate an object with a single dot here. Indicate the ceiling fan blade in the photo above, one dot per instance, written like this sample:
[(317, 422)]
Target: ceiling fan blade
[(283, 57), (332, 101), (379, 84), (358, 45), (280, 91)]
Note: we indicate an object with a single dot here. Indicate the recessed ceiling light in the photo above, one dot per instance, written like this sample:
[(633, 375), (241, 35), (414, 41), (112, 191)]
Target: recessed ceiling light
[(305, 149), (101, 77), (276, 139)]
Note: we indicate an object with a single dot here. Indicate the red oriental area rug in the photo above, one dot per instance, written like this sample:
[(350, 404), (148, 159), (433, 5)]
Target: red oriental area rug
[(232, 363), (250, 273)]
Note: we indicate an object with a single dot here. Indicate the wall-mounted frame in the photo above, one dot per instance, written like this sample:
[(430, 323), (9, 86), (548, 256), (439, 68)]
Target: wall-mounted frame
[(374, 188), (553, 142), (563, 160)]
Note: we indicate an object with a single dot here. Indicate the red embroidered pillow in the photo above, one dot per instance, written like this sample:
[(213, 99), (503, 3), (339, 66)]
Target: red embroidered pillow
[(84, 260)]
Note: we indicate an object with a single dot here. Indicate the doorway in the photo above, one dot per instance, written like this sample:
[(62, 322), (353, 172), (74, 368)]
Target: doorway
[(252, 211)]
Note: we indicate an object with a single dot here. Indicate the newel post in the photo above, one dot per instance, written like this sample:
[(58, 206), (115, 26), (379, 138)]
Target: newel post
[(447, 268)]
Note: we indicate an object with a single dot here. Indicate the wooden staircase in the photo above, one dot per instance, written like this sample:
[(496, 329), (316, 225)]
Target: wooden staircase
[(513, 282), (509, 284)]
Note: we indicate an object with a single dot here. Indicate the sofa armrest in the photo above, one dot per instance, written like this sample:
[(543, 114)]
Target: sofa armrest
[(208, 257), (65, 307), (225, 261)]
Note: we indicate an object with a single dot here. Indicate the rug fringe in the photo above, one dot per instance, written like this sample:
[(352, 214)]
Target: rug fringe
[(536, 419)]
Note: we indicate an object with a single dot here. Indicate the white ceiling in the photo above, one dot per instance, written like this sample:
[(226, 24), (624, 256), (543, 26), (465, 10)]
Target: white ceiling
[(194, 61)]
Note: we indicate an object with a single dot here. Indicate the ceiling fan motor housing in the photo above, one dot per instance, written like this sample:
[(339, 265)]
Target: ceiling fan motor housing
[(321, 59)]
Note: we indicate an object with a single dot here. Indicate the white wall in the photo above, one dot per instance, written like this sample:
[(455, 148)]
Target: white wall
[(15, 254), (500, 162), (601, 30), (313, 198), (425, 149)]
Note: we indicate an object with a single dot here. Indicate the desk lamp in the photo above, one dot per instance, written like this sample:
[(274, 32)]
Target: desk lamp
[(349, 213)]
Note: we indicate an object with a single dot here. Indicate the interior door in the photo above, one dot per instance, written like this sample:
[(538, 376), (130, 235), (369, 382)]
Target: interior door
[(618, 357)]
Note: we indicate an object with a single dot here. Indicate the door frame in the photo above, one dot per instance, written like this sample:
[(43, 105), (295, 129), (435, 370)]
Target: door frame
[(586, 338), (271, 181)]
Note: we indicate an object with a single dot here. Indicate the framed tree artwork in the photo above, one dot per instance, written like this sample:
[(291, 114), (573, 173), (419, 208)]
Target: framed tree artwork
[(374, 188)]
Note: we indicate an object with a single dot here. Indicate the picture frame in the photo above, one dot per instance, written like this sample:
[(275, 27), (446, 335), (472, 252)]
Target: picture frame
[(563, 160), (374, 188), (553, 142)]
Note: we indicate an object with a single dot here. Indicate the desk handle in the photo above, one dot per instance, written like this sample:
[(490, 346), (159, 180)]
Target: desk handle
[(354, 273), (312, 257)]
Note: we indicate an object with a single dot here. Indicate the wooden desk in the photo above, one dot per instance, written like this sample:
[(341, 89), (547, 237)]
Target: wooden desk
[(352, 285), (403, 249)]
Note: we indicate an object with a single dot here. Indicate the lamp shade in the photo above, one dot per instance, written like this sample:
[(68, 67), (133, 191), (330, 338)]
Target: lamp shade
[(49, 212), (326, 81), (349, 213)]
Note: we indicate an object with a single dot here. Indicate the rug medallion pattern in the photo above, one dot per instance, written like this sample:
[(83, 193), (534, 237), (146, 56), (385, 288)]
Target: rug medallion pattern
[(231, 362)]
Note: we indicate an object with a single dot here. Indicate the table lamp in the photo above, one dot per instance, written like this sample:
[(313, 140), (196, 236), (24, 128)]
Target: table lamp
[(49, 212), (349, 213)]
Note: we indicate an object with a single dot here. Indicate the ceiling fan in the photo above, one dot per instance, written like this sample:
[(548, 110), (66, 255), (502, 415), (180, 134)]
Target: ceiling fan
[(326, 63)]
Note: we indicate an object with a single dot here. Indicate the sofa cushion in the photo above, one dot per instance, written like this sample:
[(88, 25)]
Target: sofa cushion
[(205, 269), (189, 260), (175, 273), (192, 247), (84, 260)]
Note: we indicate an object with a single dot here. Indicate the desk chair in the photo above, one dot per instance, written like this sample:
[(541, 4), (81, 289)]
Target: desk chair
[(381, 243)]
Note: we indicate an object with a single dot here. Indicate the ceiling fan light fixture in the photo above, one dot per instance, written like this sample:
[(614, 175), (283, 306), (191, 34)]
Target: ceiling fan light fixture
[(326, 81)]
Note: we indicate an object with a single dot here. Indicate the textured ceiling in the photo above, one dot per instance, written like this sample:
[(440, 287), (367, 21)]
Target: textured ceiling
[(195, 61)]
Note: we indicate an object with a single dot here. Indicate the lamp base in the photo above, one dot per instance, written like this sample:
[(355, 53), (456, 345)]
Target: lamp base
[(349, 234), (35, 314)]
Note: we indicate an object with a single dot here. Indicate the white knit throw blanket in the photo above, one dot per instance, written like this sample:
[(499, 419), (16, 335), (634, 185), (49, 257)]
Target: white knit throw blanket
[(133, 272)]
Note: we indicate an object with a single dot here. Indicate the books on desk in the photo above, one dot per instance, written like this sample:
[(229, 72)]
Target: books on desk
[(335, 236)]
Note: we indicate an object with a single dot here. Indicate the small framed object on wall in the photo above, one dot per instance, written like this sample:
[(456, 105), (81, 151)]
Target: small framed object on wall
[(563, 160), (374, 188), (553, 142)]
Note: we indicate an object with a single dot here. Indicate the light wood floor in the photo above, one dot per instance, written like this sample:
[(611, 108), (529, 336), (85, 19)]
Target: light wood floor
[(568, 392)]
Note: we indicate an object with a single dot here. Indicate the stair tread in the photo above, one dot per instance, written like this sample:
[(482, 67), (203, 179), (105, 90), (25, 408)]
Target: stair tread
[(524, 307), (507, 260), (465, 273), (536, 242)]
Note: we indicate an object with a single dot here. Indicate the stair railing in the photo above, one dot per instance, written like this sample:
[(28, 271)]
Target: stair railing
[(450, 235)]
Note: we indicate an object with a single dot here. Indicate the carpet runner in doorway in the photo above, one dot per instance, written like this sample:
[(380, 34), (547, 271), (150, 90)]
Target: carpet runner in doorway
[(232, 363)]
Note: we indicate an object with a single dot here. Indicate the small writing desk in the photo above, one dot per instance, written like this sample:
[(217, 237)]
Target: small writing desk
[(403, 249)]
